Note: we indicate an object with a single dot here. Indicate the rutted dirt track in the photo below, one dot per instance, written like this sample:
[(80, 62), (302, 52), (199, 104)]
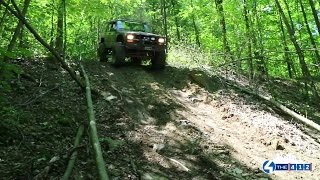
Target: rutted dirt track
[(174, 129), (151, 125)]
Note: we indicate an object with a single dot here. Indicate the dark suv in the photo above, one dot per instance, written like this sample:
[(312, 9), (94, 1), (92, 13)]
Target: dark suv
[(132, 39)]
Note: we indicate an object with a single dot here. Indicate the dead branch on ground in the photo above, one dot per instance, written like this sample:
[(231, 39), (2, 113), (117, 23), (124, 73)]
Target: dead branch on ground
[(94, 139), (74, 154), (30, 101), (281, 107)]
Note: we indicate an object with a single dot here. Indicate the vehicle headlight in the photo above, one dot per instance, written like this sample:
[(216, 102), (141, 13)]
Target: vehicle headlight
[(161, 40), (153, 38), (130, 36)]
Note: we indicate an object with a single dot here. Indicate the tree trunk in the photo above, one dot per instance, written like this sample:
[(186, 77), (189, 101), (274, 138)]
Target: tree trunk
[(304, 68), (4, 15), (313, 42), (59, 37), (226, 47), (257, 40), (94, 139), (19, 27), (196, 30), (52, 25), (92, 29), (164, 20), (290, 16), (176, 21), (3, 19), (65, 29), (22, 43), (290, 65), (248, 34), (315, 14), (165, 23)]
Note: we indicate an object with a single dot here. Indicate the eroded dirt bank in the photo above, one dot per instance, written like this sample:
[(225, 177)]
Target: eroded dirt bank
[(154, 125), (211, 133)]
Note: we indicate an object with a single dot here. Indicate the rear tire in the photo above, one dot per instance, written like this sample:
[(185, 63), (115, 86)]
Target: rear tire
[(102, 52), (159, 60), (136, 61), (118, 55)]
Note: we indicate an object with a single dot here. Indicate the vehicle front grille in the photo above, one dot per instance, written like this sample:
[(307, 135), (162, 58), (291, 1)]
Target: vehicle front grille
[(147, 40)]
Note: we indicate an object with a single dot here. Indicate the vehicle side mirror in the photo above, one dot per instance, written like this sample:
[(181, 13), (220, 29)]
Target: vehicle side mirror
[(102, 40)]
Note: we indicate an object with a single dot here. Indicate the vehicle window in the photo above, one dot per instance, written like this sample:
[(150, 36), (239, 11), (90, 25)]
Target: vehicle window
[(119, 25), (112, 27), (147, 28), (132, 26)]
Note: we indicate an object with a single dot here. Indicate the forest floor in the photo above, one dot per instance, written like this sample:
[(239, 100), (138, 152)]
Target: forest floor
[(153, 125)]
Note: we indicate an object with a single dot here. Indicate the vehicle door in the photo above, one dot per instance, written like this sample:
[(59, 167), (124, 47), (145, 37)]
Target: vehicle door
[(111, 34)]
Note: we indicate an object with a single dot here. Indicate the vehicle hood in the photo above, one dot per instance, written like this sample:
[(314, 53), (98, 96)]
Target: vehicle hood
[(142, 33)]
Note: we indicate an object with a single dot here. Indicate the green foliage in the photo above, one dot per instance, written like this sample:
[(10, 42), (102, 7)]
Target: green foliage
[(7, 73), (9, 122), (192, 57), (86, 19), (8, 115)]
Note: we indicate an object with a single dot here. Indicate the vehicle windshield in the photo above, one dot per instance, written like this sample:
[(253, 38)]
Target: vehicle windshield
[(133, 26)]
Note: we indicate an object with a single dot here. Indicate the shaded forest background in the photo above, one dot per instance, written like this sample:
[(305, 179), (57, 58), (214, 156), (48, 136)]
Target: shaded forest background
[(265, 39), (271, 46)]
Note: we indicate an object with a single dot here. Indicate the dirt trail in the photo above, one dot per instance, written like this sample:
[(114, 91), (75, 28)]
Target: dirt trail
[(151, 125), (175, 129)]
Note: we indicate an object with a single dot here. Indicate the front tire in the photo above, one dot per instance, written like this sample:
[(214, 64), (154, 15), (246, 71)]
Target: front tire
[(118, 55), (159, 60), (136, 61), (102, 52)]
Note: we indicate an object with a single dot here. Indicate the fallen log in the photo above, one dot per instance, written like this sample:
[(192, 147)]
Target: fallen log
[(74, 154), (280, 106), (94, 139)]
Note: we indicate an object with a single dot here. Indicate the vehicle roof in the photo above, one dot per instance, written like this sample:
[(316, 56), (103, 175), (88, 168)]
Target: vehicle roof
[(128, 20)]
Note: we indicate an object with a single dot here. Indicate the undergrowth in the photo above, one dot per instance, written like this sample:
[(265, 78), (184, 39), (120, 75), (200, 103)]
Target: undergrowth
[(192, 57)]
